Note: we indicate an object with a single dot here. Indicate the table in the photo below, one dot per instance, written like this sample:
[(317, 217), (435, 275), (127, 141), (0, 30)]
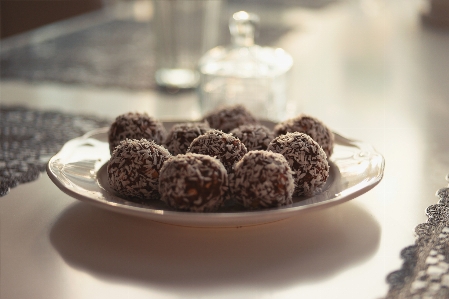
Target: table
[(369, 69)]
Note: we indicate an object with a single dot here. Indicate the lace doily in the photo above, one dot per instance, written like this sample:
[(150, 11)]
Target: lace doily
[(29, 138), (425, 271)]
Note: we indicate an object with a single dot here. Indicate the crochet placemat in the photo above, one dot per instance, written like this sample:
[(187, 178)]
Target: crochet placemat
[(29, 138), (118, 53), (425, 270), (110, 54)]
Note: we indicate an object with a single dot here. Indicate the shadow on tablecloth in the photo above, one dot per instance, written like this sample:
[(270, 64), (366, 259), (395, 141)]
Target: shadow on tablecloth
[(183, 260)]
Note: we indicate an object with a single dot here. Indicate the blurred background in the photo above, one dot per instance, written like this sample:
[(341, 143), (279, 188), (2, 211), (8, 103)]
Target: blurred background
[(17, 16)]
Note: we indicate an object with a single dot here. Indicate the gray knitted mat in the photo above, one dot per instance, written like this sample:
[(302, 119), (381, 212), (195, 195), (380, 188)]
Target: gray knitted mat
[(113, 54), (29, 138), (110, 54)]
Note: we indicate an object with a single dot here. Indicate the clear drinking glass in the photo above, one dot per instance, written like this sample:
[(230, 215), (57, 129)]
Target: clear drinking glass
[(245, 73), (185, 30)]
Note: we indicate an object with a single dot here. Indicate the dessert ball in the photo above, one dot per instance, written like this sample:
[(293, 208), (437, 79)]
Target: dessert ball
[(225, 147), (229, 117), (312, 127), (135, 126), (181, 135), (307, 160), (254, 137), (193, 182), (262, 180), (133, 170)]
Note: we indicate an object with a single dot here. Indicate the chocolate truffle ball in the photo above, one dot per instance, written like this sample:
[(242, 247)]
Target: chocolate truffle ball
[(312, 127), (229, 117), (262, 180), (133, 170), (135, 126), (228, 149), (193, 182), (181, 135), (307, 160), (254, 137)]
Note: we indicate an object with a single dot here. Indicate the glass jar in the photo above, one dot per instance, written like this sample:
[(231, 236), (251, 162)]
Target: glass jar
[(245, 73)]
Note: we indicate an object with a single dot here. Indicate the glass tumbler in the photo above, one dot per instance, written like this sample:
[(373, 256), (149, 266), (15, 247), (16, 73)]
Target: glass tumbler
[(185, 30)]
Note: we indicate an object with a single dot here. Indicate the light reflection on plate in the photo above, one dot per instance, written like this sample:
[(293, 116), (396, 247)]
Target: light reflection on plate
[(79, 170)]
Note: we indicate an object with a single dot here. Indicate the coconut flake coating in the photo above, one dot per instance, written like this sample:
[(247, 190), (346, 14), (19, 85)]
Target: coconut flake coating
[(181, 136), (193, 182), (133, 170), (262, 180), (254, 137), (229, 117), (135, 126), (307, 160), (312, 127), (225, 147)]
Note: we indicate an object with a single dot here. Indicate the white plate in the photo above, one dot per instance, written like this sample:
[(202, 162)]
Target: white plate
[(79, 170)]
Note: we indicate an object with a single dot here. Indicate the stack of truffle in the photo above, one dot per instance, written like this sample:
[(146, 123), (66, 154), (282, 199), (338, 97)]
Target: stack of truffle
[(228, 156)]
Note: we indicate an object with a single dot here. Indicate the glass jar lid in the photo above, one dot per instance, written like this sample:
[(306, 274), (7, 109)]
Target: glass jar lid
[(243, 58)]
